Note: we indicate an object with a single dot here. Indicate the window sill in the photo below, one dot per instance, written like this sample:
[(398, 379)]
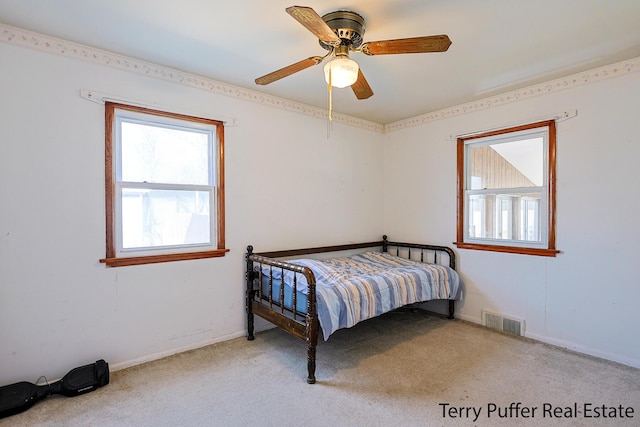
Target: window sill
[(508, 249), (139, 260)]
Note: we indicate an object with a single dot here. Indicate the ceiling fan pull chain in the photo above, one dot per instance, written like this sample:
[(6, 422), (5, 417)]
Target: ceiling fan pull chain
[(330, 116)]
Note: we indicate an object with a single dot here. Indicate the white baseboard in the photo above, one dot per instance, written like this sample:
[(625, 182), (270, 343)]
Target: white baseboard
[(467, 318), (171, 352), (635, 363)]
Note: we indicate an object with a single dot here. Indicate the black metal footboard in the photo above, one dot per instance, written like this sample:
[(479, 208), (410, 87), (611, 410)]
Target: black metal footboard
[(272, 307)]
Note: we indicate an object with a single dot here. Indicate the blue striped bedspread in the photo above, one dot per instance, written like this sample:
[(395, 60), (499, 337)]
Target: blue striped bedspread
[(352, 289)]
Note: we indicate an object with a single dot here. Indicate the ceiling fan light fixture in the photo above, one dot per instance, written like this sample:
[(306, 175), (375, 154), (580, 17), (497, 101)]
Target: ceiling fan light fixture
[(341, 72)]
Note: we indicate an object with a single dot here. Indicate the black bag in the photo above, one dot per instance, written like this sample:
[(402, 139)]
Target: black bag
[(19, 397)]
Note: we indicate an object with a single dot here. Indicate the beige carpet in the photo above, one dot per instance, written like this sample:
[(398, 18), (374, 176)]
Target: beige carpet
[(404, 369)]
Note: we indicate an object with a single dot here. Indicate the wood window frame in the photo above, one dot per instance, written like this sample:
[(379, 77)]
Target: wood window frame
[(550, 250), (111, 259)]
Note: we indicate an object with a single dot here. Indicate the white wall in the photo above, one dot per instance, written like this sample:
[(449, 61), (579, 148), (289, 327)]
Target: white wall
[(59, 307), (587, 297)]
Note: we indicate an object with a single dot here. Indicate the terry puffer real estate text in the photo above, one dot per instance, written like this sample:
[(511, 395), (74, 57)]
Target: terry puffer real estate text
[(546, 410)]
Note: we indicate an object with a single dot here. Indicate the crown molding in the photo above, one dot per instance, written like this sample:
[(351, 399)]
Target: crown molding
[(21, 37), (574, 80), (30, 39)]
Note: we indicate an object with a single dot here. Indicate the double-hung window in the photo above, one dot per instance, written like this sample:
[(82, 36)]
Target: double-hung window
[(164, 186), (506, 190)]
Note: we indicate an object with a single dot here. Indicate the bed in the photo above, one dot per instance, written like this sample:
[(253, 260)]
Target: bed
[(309, 296)]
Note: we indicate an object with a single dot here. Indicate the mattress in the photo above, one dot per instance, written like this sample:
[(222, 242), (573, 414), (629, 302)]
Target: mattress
[(355, 288)]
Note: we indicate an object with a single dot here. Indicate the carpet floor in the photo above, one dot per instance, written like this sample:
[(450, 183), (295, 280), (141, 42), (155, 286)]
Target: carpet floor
[(408, 368)]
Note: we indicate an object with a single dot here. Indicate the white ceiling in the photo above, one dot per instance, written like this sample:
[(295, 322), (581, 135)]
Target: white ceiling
[(498, 45)]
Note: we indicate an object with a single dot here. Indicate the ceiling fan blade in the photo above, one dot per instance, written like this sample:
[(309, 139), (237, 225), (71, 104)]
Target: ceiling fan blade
[(410, 45), (361, 87), (288, 70), (314, 23)]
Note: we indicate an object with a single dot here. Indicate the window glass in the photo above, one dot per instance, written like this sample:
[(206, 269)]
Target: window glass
[(512, 164), (164, 218), (157, 153)]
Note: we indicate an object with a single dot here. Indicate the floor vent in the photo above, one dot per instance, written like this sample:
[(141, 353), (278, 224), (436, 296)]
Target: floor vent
[(500, 322)]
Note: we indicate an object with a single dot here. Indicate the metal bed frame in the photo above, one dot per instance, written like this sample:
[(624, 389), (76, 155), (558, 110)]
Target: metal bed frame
[(305, 325)]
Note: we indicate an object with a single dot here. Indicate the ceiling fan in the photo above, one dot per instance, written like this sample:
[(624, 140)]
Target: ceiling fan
[(340, 32)]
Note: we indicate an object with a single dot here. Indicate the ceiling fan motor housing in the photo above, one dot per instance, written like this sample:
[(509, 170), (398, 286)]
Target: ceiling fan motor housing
[(347, 25)]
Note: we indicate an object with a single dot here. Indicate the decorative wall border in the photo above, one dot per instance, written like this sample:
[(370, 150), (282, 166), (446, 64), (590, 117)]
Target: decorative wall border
[(574, 80), (25, 38), (18, 36)]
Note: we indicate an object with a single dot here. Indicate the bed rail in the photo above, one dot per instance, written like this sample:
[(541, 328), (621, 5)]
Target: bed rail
[(320, 249)]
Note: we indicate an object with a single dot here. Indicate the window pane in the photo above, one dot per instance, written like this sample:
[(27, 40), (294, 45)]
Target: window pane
[(477, 214), (502, 216), (164, 155), (513, 164), (157, 218), (530, 228)]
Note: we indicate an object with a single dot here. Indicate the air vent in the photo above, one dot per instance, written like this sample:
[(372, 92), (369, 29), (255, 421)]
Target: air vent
[(500, 322)]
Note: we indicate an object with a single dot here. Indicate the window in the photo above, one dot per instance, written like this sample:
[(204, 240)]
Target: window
[(164, 186), (506, 190)]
